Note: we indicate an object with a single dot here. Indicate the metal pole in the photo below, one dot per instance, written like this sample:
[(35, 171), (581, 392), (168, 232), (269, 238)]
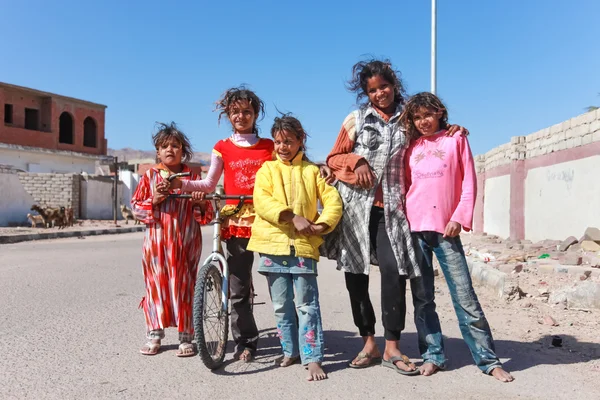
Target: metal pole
[(433, 46), (115, 190)]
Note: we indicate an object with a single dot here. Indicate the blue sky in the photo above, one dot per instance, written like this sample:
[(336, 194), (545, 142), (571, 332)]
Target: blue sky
[(505, 68)]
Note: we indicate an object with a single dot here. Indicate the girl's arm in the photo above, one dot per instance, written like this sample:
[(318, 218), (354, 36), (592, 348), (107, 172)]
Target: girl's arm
[(332, 205), (141, 202), (341, 160), (464, 211), (208, 184), (265, 204)]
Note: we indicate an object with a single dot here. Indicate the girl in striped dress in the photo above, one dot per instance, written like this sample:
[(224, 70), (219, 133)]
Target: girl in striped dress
[(172, 244)]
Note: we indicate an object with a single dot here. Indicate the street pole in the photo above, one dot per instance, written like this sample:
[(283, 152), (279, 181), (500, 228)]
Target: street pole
[(115, 189), (433, 46)]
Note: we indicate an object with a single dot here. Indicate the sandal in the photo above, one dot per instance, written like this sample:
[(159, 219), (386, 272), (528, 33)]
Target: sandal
[(150, 348), (185, 349), (365, 356), (391, 363)]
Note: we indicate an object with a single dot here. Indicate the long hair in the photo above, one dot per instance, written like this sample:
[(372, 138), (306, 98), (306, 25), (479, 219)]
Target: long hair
[(240, 93), (364, 70), (425, 100), (167, 132)]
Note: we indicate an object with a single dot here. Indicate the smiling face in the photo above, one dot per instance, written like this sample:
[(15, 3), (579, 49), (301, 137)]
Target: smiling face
[(242, 116), (287, 145), (427, 121), (381, 93), (170, 153)]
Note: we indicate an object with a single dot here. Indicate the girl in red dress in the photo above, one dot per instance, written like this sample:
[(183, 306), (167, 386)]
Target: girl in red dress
[(172, 244)]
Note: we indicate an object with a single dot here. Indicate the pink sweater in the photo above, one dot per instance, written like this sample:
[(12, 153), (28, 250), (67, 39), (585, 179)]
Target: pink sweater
[(441, 182)]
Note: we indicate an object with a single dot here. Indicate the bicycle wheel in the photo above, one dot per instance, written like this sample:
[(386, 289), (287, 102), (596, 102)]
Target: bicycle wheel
[(211, 324)]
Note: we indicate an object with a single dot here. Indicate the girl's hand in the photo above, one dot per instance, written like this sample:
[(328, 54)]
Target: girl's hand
[(198, 198), (175, 184), (365, 177), (453, 129), (326, 174), (163, 186), (452, 229), (302, 225), (159, 197), (318, 229)]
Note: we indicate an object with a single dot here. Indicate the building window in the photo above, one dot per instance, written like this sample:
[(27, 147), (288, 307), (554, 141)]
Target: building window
[(8, 113), (65, 128), (32, 119), (89, 132)]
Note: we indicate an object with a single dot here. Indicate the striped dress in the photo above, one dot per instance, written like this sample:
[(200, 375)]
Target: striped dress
[(171, 253)]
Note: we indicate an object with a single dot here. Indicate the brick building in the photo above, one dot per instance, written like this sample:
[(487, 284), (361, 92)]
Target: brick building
[(45, 132)]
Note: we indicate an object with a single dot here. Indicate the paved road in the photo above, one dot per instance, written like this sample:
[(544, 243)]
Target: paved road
[(70, 329)]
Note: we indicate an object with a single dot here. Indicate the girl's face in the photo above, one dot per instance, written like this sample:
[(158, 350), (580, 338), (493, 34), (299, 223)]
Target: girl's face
[(242, 116), (170, 153), (287, 145), (381, 93), (427, 121)]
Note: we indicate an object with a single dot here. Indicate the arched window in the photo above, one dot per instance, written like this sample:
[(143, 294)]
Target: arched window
[(65, 128), (89, 132)]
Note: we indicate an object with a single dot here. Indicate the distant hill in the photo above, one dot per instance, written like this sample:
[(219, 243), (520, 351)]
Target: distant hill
[(127, 154)]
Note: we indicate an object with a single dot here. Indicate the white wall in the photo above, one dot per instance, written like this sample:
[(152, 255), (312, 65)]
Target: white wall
[(562, 200), (130, 182), (15, 202), (96, 199), (496, 206), (33, 161)]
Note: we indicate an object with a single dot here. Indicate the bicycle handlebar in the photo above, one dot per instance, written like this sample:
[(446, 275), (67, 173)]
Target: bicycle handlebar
[(213, 196)]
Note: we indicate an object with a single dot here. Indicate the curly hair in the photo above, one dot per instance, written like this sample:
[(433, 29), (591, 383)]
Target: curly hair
[(168, 132), (292, 125), (240, 93), (425, 100), (364, 70)]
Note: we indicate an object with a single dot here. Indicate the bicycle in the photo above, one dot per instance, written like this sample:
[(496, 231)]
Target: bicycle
[(211, 296)]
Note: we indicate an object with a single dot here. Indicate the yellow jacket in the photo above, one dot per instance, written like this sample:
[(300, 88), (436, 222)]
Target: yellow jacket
[(296, 187)]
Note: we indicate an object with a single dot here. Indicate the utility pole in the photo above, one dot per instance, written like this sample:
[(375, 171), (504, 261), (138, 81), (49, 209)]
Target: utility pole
[(433, 46), (115, 189)]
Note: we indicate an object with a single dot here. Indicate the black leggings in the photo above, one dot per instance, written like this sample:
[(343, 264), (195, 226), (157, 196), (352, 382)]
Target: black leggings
[(393, 286)]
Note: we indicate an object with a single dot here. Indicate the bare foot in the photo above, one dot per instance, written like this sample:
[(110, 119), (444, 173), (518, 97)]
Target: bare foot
[(315, 372), (502, 375), (287, 361), (428, 369), (405, 366), (246, 356)]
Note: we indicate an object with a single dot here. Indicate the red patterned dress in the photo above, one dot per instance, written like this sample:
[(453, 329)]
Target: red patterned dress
[(171, 253)]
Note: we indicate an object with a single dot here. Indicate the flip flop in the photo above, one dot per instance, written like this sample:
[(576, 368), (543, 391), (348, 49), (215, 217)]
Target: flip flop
[(391, 363), (150, 349), (363, 356), (183, 347)]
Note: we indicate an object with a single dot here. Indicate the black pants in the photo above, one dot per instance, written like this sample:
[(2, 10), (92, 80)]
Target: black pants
[(393, 286), (243, 326)]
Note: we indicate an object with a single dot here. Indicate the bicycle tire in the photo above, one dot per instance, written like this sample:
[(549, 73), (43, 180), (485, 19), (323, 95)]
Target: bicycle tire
[(211, 324)]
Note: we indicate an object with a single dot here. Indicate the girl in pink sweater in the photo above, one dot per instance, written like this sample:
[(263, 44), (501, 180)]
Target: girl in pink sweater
[(441, 187)]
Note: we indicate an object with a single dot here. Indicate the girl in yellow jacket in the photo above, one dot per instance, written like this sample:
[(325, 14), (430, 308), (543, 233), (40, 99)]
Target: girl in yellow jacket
[(287, 233)]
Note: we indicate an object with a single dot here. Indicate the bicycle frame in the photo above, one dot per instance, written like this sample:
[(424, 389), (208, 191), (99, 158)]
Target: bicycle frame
[(217, 250)]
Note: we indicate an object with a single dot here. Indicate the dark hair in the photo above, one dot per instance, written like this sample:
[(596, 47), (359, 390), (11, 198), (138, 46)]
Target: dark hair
[(292, 125), (426, 100), (364, 70), (167, 132), (240, 93)]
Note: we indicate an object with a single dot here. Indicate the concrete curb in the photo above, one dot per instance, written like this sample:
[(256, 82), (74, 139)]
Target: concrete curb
[(67, 234)]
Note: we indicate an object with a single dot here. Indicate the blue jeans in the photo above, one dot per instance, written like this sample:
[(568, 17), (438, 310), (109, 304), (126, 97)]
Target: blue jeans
[(304, 336), (472, 322)]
